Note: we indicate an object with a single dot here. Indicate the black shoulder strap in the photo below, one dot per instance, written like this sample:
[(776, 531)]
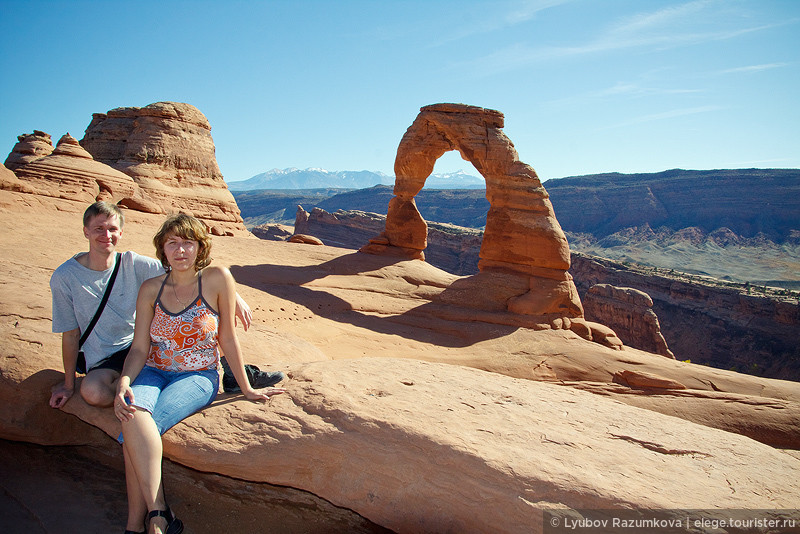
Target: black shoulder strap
[(160, 290), (106, 294)]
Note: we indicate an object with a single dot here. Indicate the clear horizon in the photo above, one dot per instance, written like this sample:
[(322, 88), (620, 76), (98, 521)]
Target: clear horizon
[(586, 87)]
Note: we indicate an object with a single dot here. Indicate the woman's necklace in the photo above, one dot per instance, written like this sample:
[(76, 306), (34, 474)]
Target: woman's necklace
[(184, 305)]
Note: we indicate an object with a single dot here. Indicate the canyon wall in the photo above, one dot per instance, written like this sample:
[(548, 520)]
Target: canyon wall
[(741, 225), (452, 248), (747, 201), (629, 312), (744, 202), (709, 322)]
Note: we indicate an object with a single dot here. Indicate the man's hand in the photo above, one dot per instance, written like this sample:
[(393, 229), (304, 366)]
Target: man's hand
[(243, 312), (60, 396)]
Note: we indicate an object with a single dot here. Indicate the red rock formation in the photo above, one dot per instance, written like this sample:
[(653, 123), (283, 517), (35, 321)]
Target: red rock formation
[(305, 239), (522, 234), (167, 149), (272, 232), (69, 172), (630, 313), (10, 182), (29, 147)]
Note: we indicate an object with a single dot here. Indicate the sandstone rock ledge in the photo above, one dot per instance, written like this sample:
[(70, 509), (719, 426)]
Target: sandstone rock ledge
[(368, 425), (418, 447)]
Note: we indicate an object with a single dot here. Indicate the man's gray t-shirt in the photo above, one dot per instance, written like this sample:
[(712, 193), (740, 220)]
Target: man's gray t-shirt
[(77, 291)]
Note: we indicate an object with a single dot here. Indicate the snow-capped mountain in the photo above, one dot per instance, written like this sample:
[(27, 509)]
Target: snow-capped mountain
[(455, 180), (315, 178), (311, 178)]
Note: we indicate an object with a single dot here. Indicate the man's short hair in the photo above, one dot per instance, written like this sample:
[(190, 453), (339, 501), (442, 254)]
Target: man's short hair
[(102, 208)]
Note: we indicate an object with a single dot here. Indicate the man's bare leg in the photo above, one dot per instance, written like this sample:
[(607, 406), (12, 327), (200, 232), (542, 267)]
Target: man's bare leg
[(99, 387)]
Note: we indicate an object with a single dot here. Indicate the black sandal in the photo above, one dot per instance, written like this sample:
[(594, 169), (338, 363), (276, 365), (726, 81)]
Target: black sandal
[(174, 525)]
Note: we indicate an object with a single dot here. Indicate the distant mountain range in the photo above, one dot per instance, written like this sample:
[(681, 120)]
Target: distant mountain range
[(313, 178), (749, 202)]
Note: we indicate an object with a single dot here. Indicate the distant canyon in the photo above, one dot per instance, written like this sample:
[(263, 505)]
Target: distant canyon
[(740, 225)]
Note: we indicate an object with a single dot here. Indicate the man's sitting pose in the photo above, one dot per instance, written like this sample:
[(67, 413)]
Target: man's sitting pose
[(78, 286)]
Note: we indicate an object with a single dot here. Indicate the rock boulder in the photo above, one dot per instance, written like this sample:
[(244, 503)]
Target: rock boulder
[(29, 147), (305, 239), (167, 149)]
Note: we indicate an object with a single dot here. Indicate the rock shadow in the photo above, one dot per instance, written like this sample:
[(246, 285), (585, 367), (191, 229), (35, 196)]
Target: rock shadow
[(430, 322)]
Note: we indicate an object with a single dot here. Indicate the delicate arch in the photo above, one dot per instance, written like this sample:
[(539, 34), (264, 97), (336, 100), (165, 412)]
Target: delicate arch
[(522, 234)]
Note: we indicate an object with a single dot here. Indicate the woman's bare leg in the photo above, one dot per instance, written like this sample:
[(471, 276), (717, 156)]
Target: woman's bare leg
[(137, 507), (144, 455)]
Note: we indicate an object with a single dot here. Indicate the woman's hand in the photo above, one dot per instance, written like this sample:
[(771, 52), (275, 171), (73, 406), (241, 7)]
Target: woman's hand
[(262, 394), (124, 410)]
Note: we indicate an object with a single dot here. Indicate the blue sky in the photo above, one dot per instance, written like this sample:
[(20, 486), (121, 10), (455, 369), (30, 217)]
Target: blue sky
[(586, 86)]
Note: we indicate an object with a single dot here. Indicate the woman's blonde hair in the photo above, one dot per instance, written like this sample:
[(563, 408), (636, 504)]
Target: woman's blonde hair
[(186, 227)]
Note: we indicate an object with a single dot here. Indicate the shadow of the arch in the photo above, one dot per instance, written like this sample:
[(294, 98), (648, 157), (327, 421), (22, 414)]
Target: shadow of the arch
[(439, 323)]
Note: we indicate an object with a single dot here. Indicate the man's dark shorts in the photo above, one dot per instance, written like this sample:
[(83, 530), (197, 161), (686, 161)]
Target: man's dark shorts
[(115, 362)]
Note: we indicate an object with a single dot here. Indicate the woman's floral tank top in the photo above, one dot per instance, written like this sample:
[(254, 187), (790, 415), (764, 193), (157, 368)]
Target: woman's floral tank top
[(185, 341)]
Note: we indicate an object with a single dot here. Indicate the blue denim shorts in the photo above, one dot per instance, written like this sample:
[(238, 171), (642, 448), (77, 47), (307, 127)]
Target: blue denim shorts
[(172, 396)]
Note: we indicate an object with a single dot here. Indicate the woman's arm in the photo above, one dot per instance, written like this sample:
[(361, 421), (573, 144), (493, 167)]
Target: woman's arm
[(224, 286), (140, 348)]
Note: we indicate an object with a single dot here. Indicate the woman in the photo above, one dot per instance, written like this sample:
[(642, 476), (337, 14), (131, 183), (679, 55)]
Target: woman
[(183, 318)]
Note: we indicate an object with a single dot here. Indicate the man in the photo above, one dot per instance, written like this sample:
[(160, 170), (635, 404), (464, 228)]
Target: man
[(77, 287)]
